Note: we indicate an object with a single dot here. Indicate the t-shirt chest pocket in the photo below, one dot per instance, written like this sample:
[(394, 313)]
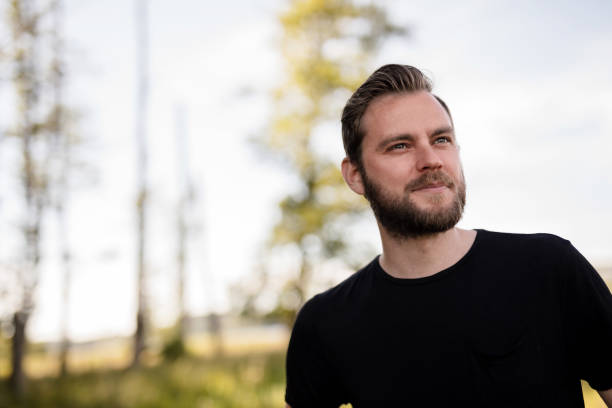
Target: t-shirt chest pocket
[(504, 357)]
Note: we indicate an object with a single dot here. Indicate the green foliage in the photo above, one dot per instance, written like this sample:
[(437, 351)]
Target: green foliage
[(249, 381), (327, 46), (174, 349)]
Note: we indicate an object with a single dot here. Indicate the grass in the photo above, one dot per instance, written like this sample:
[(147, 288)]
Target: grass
[(255, 380)]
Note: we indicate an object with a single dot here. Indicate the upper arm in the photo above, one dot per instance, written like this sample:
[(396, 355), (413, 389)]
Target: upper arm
[(311, 378), (589, 307), (606, 395)]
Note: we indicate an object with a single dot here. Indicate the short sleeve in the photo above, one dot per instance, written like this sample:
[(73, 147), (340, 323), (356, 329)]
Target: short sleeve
[(311, 381), (590, 312)]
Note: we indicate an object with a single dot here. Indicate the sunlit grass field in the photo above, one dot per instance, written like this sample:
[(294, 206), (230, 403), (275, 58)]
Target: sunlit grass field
[(253, 380), (246, 371)]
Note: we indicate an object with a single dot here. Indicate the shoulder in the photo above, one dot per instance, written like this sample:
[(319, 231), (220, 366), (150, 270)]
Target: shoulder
[(512, 237), (540, 257), (343, 296), (538, 243), (546, 255)]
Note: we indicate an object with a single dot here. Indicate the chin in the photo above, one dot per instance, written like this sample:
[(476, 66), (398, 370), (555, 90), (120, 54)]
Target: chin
[(433, 201)]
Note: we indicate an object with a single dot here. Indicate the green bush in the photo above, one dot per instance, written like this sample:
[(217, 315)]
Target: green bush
[(174, 349)]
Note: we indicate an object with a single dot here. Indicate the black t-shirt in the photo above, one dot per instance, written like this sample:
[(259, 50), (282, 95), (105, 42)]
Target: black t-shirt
[(517, 322)]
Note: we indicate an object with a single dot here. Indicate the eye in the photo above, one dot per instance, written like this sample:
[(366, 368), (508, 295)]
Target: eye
[(398, 146), (442, 140)]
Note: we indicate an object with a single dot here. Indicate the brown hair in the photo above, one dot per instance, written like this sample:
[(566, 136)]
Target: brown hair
[(391, 78)]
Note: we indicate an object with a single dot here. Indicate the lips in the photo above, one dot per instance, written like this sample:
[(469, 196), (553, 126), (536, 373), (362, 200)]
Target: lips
[(431, 186)]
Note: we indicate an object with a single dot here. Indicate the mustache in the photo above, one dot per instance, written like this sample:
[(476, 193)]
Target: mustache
[(429, 178)]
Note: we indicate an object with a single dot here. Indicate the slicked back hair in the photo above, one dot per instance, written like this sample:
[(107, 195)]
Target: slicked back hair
[(391, 78)]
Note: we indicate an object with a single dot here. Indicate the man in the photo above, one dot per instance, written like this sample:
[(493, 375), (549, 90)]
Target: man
[(444, 316)]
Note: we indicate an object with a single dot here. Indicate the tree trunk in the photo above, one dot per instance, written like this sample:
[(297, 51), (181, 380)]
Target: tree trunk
[(181, 224), (65, 342), (141, 320), (139, 338), (18, 343), (61, 150), (141, 143)]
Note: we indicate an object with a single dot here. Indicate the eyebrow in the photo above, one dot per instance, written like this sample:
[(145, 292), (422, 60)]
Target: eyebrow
[(407, 137), (442, 130)]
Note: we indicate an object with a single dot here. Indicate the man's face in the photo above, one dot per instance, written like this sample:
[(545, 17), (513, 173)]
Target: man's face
[(411, 172)]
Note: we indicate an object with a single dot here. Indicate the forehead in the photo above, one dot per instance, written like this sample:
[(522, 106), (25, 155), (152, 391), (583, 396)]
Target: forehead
[(397, 113)]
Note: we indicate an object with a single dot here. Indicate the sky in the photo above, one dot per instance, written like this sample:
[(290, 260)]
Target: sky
[(527, 82)]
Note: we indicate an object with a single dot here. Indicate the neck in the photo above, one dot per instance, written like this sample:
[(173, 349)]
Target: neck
[(424, 256)]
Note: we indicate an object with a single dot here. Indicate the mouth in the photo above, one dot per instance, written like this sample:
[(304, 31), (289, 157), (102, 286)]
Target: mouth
[(433, 187)]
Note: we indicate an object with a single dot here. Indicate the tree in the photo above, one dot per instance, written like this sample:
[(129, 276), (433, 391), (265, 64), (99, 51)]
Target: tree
[(327, 46), (175, 345), (62, 143), (185, 199), (42, 129), (32, 131), (142, 163)]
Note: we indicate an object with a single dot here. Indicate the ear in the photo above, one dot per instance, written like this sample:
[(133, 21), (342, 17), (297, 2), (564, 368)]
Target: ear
[(352, 176)]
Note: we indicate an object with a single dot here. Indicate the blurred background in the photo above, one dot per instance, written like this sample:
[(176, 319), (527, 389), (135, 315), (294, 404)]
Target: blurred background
[(169, 174)]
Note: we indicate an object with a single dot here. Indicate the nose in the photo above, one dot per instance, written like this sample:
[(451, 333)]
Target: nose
[(427, 158)]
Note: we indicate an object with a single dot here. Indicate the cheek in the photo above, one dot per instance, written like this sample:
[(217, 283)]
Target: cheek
[(393, 173), (453, 164), (389, 166)]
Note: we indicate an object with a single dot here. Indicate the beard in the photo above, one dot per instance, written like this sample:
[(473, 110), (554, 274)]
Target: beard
[(402, 218)]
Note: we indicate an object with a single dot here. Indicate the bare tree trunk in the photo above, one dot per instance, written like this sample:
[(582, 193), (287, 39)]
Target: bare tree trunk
[(18, 343), (66, 283), (139, 334), (61, 149), (141, 140), (185, 194), (24, 26), (181, 260)]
